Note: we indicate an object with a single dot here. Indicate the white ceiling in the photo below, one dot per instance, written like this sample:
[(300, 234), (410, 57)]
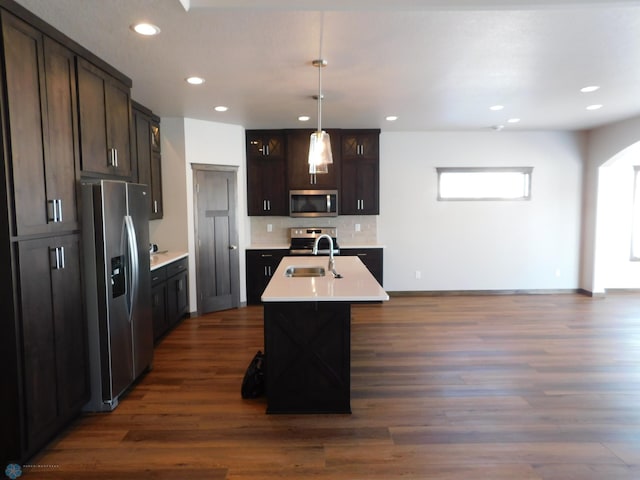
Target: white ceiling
[(436, 64)]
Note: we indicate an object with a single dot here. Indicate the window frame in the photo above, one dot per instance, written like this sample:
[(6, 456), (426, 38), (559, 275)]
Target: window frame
[(634, 256), (528, 171)]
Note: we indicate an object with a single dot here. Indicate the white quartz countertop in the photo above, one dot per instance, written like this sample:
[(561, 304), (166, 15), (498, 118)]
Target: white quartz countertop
[(283, 246), (165, 258), (356, 285)]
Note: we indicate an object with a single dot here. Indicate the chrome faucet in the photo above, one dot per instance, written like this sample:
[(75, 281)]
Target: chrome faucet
[(332, 262)]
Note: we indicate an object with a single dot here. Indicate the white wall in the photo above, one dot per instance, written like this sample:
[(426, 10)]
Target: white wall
[(216, 144), (171, 233), (507, 245), (186, 141), (455, 245)]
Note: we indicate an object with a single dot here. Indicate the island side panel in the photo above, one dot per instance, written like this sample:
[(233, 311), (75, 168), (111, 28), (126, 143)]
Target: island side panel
[(308, 357)]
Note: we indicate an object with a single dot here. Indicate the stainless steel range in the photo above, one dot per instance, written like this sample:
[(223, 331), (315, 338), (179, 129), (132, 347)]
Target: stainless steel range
[(303, 238)]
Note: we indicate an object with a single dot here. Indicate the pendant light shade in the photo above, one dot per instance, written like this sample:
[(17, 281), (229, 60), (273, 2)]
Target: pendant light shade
[(319, 152), (319, 145)]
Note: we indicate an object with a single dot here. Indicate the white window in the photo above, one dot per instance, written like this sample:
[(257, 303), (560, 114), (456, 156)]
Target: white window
[(484, 183), (635, 226)]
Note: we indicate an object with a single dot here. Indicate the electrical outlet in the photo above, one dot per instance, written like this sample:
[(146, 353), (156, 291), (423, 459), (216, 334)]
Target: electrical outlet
[(418, 274), (357, 227), (269, 227)]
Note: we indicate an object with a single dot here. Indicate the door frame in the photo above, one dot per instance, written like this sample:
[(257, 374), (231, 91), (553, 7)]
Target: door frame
[(195, 167)]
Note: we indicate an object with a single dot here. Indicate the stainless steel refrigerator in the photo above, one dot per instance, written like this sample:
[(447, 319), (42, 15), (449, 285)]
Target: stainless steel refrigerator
[(115, 234)]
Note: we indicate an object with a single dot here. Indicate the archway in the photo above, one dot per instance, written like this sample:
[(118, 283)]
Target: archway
[(613, 267)]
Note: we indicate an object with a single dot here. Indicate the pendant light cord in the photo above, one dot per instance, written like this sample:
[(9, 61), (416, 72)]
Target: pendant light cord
[(320, 66), (320, 97)]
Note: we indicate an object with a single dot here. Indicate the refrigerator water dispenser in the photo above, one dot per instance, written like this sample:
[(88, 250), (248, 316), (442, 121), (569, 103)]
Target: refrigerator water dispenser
[(118, 284)]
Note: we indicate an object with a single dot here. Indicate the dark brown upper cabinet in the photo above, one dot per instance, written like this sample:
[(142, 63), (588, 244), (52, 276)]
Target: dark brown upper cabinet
[(41, 104), (266, 173), (298, 162), (105, 124), (360, 187), (146, 153)]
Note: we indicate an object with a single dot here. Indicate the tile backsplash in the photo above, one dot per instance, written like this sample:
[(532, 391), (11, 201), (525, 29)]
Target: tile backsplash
[(346, 225)]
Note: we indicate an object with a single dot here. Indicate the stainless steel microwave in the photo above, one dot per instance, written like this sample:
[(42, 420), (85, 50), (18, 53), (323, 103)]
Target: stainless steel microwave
[(313, 203)]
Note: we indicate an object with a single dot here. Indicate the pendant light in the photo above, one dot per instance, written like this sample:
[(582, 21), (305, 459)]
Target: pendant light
[(320, 145)]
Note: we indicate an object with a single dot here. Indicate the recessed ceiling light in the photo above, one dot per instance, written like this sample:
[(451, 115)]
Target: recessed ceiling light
[(304, 118), (495, 108), (195, 80), (221, 108), (391, 118), (513, 120), (589, 89), (146, 29), (594, 107)]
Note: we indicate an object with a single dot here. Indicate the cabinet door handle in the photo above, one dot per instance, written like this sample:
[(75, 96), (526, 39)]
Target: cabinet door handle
[(155, 206), (54, 257), (362, 254), (59, 203), (58, 258), (266, 148), (53, 217), (113, 157), (269, 205), (265, 255), (179, 285)]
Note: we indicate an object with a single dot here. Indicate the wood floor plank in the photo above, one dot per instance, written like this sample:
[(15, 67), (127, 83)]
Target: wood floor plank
[(507, 387)]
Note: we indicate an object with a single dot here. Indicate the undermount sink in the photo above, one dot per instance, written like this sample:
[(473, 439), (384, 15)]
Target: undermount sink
[(294, 271)]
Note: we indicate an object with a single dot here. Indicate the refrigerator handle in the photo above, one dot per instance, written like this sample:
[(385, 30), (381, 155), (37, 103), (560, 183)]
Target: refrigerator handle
[(132, 259)]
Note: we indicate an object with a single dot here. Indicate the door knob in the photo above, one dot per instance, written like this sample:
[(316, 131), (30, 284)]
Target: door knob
[(233, 247)]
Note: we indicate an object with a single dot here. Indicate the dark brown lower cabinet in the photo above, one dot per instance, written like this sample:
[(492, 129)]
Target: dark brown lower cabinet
[(169, 296), (308, 352), (159, 302), (55, 382), (371, 257), (260, 266)]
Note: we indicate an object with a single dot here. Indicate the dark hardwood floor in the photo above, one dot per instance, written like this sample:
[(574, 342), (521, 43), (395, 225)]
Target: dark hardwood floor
[(454, 387)]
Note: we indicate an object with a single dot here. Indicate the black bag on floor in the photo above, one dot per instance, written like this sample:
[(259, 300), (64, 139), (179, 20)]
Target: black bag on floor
[(253, 381)]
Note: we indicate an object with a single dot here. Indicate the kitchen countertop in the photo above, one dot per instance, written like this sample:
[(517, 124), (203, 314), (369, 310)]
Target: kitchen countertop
[(165, 258), (357, 284), (286, 247), (280, 246)]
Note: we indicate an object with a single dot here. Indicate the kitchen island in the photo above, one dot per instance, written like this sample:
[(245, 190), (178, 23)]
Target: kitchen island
[(307, 333)]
